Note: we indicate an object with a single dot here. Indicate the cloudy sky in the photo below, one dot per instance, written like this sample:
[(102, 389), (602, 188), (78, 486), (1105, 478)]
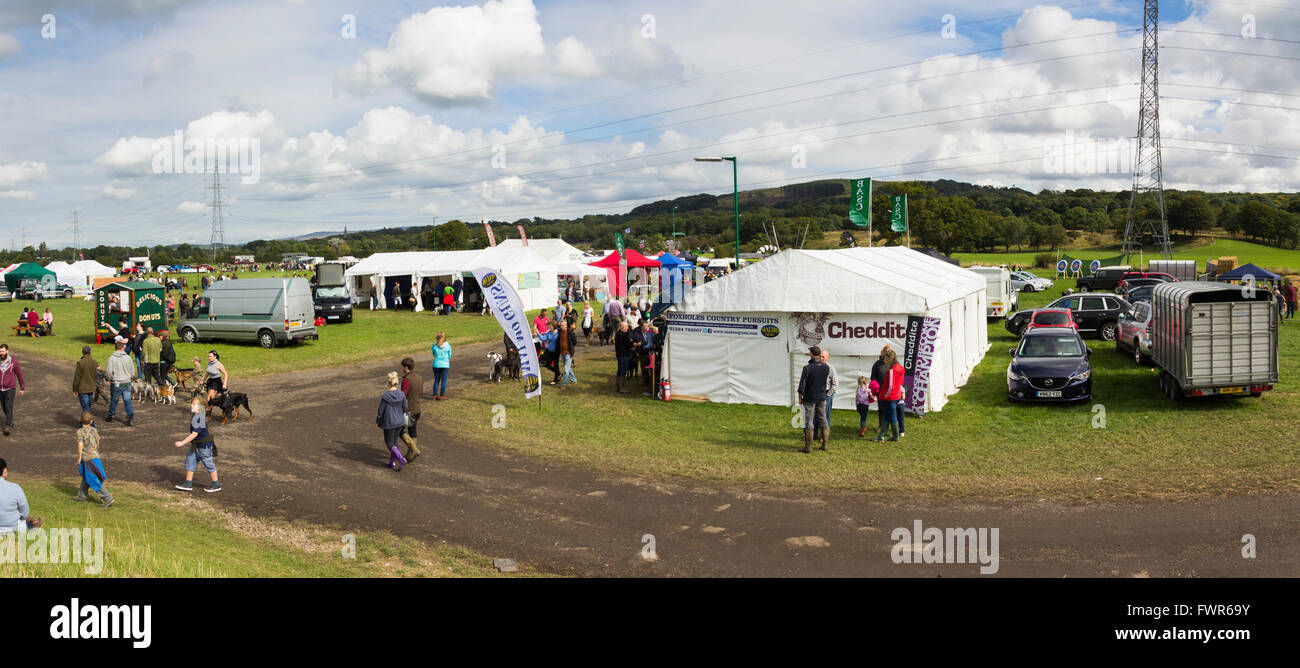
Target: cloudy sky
[(373, 114)]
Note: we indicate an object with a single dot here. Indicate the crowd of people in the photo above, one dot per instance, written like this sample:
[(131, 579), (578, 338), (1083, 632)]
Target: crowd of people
[(818, 384), (40, 324)]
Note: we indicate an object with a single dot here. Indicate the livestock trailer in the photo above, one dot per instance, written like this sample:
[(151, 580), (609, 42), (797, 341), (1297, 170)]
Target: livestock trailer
[(1183, 270), (1214, 339), (1003, 300)]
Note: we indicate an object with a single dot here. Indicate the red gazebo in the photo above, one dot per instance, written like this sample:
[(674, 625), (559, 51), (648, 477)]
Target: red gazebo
[(610, 264)]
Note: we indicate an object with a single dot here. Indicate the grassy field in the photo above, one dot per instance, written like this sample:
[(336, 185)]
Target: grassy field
[(1276, 259), (140, 530), (371, 335), (980, 445)]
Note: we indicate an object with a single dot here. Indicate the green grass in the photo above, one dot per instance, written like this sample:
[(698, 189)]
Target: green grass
[(141, 531), (980, 445), (1269, 257), (371, 335)]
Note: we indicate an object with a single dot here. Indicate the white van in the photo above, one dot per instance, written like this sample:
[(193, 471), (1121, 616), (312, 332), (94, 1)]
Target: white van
[(1002, 298)]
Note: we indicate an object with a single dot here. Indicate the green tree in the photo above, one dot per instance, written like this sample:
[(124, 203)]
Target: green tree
[(1192, 214), (452, 235)]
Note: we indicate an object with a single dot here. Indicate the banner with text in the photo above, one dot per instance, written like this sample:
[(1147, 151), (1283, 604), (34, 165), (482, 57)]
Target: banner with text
[(503, 299), (492, 239), (918, 357), (709, 324), (855, 334), (860, 203)]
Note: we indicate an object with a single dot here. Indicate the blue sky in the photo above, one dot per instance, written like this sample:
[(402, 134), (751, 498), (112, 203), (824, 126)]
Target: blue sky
[(477, 110)]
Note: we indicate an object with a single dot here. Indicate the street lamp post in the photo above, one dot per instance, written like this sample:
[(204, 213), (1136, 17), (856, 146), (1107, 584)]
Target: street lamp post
[(674, 223), (735, 195)]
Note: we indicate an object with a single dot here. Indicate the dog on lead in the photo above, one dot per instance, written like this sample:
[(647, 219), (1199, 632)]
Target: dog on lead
[(229, 403), (143, 389), (166, 394), (512, 364), (496, 366), (185, 375)]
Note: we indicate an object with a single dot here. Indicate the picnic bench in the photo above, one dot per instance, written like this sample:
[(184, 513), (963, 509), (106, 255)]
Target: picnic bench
[(24, 329)]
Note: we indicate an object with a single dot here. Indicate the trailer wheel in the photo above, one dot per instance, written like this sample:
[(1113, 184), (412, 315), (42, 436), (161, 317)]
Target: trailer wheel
[(266, 338)]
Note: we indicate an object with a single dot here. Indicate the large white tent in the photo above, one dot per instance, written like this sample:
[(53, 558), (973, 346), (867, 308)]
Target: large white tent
[(531, 275), (69, 275), (744, 338), (567, 259), (94, 269)]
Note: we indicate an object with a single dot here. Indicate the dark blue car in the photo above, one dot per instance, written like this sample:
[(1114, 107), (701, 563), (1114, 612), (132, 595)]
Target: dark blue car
[(1050, 365)]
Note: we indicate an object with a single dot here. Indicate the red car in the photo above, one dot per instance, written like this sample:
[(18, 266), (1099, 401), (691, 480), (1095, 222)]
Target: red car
[(1050, 317)]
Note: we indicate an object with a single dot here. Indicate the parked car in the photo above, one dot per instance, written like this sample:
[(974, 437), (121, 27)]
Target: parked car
[(1094, 314), (1133, 333), (1051, 317), (1140, 294), (332, 302), (1050, 364), (1164, 278), (1129, 283), (5, 295), (1106, 278), (1023, 281)]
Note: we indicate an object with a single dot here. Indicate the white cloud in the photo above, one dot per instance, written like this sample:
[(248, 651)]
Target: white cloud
[(15, 173), (17, 194), (192, 208), (452, 55), (9, 46), (167, 63), (111, 191), (574, 58)]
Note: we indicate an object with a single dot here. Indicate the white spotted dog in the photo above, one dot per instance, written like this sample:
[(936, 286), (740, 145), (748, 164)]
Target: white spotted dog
[(496, 365)]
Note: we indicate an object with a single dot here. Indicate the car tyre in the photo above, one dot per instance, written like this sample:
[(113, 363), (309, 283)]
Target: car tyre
[(1138, 357), (67, 294), (1083, 288), (1107, 331), (266, 338), (188, 335)]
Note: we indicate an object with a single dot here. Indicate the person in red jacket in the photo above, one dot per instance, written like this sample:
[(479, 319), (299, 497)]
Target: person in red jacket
[(891, 395), (11, 379)]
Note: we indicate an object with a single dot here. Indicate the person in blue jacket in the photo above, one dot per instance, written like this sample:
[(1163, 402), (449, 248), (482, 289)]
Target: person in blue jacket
[(441, 366)]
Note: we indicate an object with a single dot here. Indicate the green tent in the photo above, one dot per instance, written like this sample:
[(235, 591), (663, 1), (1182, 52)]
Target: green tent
[(48, 279), (126, 304)]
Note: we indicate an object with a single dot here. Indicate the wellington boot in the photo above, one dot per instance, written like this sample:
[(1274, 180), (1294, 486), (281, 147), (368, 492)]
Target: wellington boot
[(807, 441)]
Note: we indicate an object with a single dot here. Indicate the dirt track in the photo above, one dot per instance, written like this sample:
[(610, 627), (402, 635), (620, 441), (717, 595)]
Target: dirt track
[(313, 453)]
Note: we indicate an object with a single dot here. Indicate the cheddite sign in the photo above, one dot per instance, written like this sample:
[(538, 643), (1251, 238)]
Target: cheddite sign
[(847, 335)]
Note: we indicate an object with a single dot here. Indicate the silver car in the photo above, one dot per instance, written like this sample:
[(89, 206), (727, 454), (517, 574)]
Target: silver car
[(1133, 332), (1023, 281)]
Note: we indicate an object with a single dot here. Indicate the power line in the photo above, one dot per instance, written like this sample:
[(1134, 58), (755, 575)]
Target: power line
[(218, 225)]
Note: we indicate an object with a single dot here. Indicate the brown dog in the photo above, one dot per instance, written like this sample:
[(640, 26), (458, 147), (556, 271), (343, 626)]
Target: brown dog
[(185, 375)]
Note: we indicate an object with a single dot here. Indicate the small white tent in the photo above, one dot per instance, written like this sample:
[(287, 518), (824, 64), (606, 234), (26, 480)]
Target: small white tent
[(531, 275), (744, 338)]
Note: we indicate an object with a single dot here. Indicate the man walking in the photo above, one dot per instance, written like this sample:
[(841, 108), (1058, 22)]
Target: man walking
[(151, 347), (813, 383), (83, 379), (832, 386), (120, 371), (11, 380), (413, 388)]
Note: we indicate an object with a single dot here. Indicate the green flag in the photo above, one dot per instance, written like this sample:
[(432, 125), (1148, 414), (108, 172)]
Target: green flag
[(898, 215), (618, 243), (860, 203)]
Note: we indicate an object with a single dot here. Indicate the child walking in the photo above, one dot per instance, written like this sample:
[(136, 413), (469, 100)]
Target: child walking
[(865, 397), (89, 467), (202, 448)]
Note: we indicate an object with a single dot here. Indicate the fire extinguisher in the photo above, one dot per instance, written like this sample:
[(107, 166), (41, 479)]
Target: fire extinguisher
[(665, 390)]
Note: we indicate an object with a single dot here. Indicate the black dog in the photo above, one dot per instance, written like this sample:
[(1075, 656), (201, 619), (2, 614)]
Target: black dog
[(511, 363), (229, 403)]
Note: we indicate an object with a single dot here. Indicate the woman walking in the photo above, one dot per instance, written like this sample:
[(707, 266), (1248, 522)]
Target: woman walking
[(588, 320), (88, 464), (218, 379), (891, 394), (391, 419), (441, 365), (567, 341)]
